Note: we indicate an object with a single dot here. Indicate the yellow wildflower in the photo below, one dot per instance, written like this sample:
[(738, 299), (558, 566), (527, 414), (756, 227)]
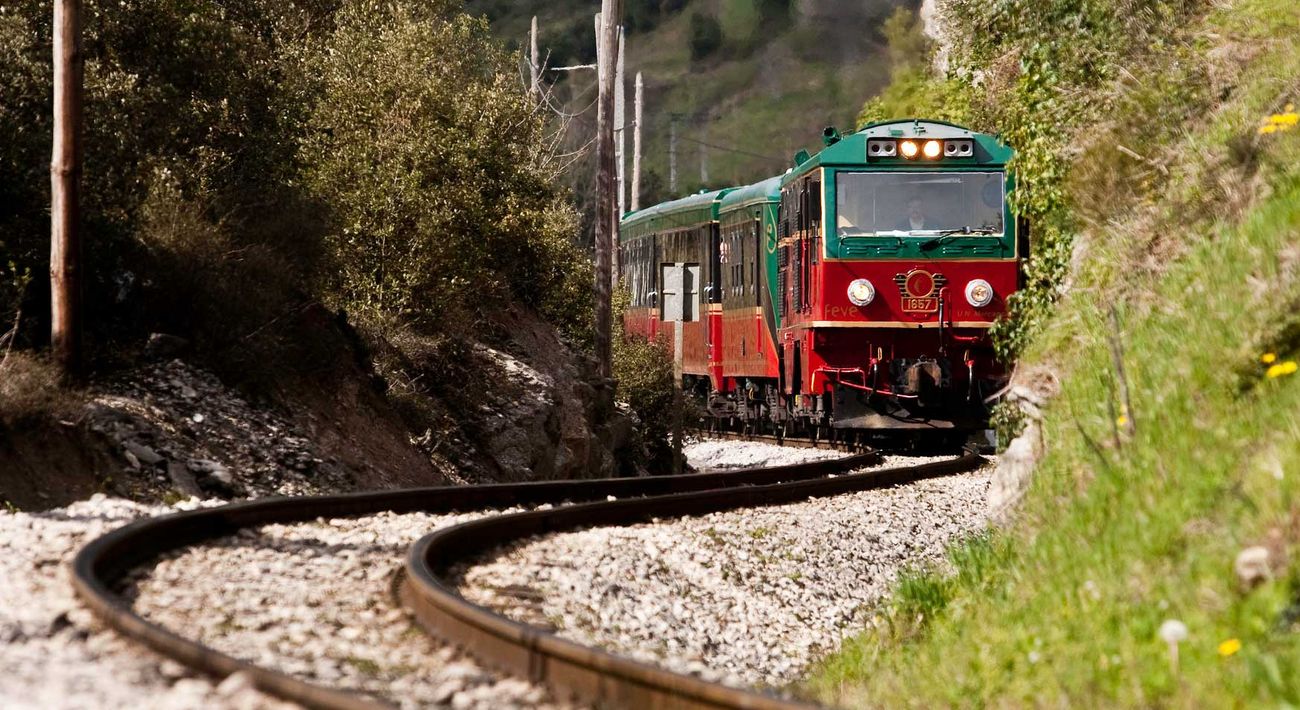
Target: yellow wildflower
[(1281, 368), (1122, 420), (1229, 647), (1268, 358), (1267, 128)]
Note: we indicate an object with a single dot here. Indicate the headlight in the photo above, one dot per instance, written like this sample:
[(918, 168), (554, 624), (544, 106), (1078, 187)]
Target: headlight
[(861, 292), (979, 293), (908, 148), (932, 149)]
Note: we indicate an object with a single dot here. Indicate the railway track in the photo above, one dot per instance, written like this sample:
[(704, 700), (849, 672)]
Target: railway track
[(100, 569)]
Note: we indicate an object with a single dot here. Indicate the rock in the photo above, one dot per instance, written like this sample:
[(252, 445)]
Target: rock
[(182, 480), (142, 453), (1252, 567), (203, 466), (219, 482), (163, 346)]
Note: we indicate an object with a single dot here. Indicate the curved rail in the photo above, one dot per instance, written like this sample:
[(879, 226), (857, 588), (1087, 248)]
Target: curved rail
[(100, 567), (588, 673)]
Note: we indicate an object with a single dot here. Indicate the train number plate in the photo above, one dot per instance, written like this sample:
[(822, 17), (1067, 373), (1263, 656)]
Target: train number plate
[(928, 304)]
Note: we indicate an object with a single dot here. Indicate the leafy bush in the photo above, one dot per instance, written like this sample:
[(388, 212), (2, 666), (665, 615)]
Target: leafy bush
[(209, 94), (643, 371), (706, 35), (431, 160), (913, 90)]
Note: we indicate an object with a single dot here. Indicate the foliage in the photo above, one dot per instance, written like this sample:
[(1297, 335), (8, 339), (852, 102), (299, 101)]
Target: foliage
[(31, 390), (572, 44), (433, 163), (706, 35), (208, 215), (1191, 249), (914, 91), (206, 94), (643, 371)]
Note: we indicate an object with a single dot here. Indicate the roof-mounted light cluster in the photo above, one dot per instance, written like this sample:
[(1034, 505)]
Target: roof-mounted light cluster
[(920, 148)]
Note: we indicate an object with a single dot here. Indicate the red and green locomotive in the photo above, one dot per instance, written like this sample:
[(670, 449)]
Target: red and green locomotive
[(854, 292)]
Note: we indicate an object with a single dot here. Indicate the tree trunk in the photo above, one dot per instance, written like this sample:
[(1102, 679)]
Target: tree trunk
[(606, 189), (65, 188)]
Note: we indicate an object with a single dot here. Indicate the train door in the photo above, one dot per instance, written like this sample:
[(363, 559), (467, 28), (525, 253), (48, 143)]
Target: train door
[(680, 295)]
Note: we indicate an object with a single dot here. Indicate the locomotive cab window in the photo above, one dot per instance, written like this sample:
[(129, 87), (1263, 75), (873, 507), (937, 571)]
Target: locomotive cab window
[(918, 204)]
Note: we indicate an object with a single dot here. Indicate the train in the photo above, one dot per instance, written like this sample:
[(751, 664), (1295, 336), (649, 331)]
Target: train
[(850, 296)]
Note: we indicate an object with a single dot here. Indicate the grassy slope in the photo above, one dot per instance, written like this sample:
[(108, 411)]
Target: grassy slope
[(770, 103), (1063, 606)]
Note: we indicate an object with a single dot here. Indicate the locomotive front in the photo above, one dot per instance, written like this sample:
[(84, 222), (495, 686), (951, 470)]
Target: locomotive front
[(896, 251)]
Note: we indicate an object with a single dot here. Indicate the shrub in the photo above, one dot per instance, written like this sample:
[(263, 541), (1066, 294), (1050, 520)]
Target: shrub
[(431, 160), (31, 390), (643, 371), (913, 91), (706, 35)]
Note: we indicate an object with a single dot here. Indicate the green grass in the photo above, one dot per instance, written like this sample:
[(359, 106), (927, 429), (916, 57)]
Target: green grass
[(1120, 532)]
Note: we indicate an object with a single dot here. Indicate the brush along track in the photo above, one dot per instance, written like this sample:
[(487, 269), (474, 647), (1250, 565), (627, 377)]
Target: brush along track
[(101, 566)]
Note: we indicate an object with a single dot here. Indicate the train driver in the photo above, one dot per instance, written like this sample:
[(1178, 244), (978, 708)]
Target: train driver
[(915, 219)]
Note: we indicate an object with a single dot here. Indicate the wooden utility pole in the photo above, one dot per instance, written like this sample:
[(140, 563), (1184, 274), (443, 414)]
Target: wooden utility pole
[(533, 68), (606, 195), (65, 188), (636, 144), (620, 128)]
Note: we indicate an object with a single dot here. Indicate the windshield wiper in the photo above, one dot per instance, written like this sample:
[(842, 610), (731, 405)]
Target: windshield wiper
[(947, 234)]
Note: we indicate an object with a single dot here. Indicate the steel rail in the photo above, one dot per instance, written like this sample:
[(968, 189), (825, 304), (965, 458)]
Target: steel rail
[(587, 673), (100, 568)]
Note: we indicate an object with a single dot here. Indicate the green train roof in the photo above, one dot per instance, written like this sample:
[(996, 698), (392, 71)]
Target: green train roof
[(688, 211), (768, 190), (851, 150)]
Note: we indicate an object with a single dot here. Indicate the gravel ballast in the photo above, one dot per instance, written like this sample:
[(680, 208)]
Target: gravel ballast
[(315, 600), (720, 454), (54, 654), (747, 597), (752, 595)]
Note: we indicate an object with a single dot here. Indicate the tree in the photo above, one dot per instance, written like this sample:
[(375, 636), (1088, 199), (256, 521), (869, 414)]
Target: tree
[(706, 35), (430, 158)]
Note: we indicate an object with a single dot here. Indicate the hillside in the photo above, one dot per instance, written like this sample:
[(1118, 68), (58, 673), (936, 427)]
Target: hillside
[(254, 272), (782, 71), (1148, 551)]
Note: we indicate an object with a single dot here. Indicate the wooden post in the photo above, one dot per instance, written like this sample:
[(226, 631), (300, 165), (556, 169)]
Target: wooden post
[(606, 195), (536, 86), (636, 144), (620, 128), (65, 188)]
